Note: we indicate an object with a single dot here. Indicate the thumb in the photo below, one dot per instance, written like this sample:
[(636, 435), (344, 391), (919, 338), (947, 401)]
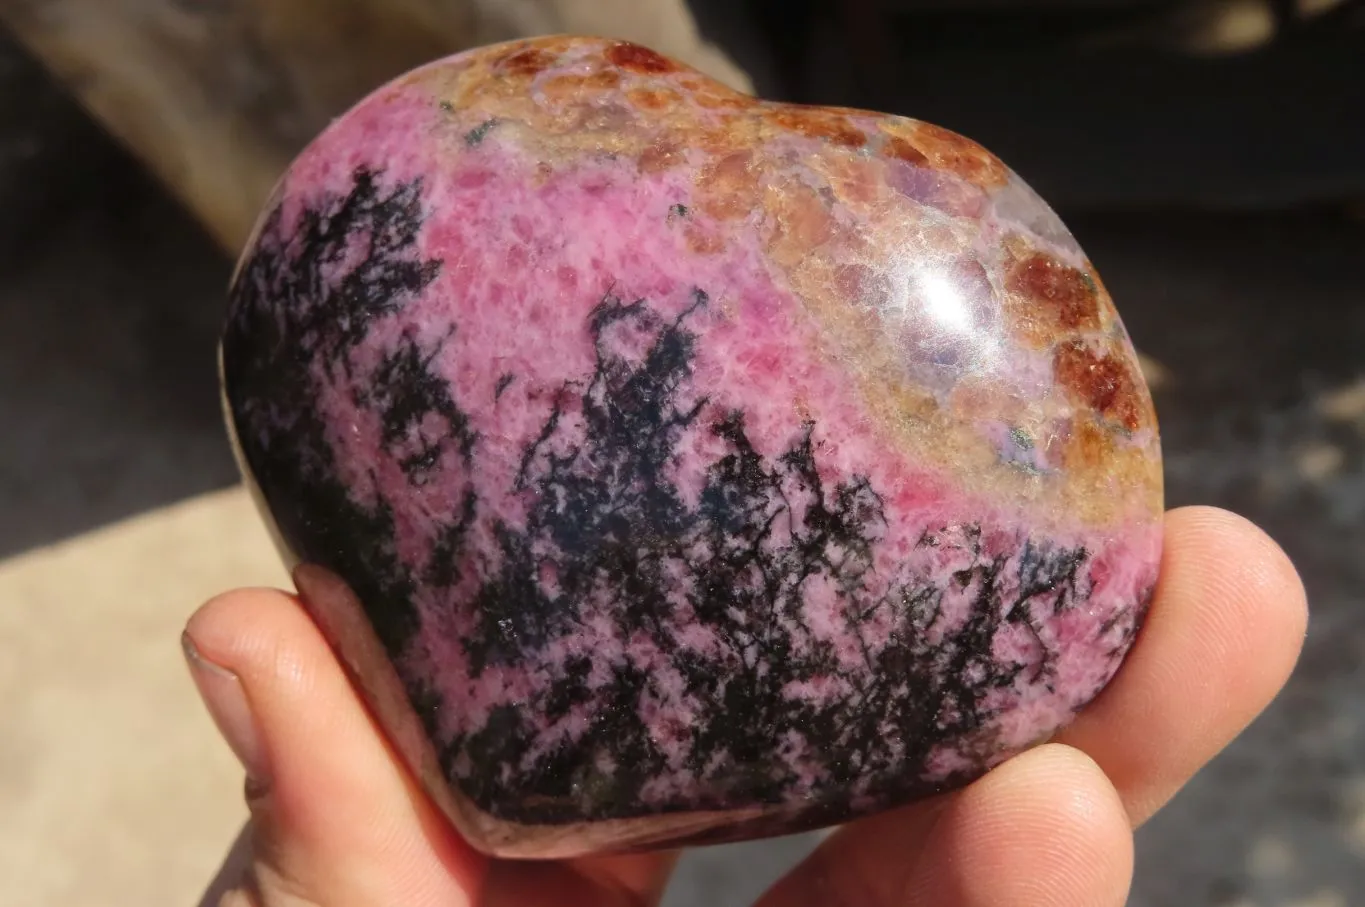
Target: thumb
[(336, 819)]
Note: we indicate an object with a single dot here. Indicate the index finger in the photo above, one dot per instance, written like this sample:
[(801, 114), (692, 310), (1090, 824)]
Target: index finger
[(1224, 632)]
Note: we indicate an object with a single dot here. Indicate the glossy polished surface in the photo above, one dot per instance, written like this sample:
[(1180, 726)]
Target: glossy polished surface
[(671, 466)]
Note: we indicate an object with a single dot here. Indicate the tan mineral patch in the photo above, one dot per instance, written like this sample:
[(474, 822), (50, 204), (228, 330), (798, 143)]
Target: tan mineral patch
[(801, 177)]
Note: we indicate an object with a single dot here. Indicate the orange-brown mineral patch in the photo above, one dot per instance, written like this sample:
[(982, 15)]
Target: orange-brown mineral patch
[(982, 397), (945, 150), (1064, 296), (712, 95), (862, 285), (703, 240), (850, 225), (728, 187), (1102, 469), (718, 97), (800, 221), (818, 123), (653, 99), (639, 59), (664, 153), (1087, 449), (526, 63), (580, 86), (731, 132), (611, 118), (1104, 301), (1102, 381), (856, 180), (899, 148)]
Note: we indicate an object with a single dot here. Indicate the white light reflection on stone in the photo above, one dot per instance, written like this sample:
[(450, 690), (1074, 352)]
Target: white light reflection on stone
[(943, 303)]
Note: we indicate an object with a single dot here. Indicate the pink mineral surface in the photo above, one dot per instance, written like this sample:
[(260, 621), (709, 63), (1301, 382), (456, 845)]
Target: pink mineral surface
[(671, 466)]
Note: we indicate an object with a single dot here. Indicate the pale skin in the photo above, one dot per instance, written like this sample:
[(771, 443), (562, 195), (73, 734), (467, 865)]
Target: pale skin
[(337, 821)]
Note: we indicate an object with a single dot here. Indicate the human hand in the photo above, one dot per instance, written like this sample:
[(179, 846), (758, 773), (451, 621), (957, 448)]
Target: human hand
[(337, 821)]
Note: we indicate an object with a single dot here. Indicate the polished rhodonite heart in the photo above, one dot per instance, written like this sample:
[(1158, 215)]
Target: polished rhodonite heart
[(670, 466)]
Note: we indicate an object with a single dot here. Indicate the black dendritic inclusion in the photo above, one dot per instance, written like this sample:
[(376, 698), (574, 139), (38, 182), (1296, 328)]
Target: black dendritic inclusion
[(618, 539), (612, 530), (307, 299)]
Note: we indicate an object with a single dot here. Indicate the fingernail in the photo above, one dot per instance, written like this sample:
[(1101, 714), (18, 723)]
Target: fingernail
[(225, 698)]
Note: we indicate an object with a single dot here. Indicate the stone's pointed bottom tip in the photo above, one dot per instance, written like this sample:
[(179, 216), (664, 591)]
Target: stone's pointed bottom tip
[(669, 467)]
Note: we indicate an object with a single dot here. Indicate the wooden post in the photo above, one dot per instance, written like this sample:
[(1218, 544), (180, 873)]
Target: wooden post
[(216, 96)]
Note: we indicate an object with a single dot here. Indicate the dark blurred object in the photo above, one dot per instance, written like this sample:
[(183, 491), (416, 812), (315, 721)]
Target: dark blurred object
[(52, 157), (1097, 103), (108, 323)]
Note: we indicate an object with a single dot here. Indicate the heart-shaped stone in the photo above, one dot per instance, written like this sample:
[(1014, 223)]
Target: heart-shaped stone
[(670, 466)]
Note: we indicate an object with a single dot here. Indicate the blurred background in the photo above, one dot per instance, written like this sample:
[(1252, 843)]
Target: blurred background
[(1209, 155)]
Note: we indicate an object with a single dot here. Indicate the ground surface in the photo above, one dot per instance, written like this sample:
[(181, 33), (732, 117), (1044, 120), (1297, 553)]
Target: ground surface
[(109, 302)]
